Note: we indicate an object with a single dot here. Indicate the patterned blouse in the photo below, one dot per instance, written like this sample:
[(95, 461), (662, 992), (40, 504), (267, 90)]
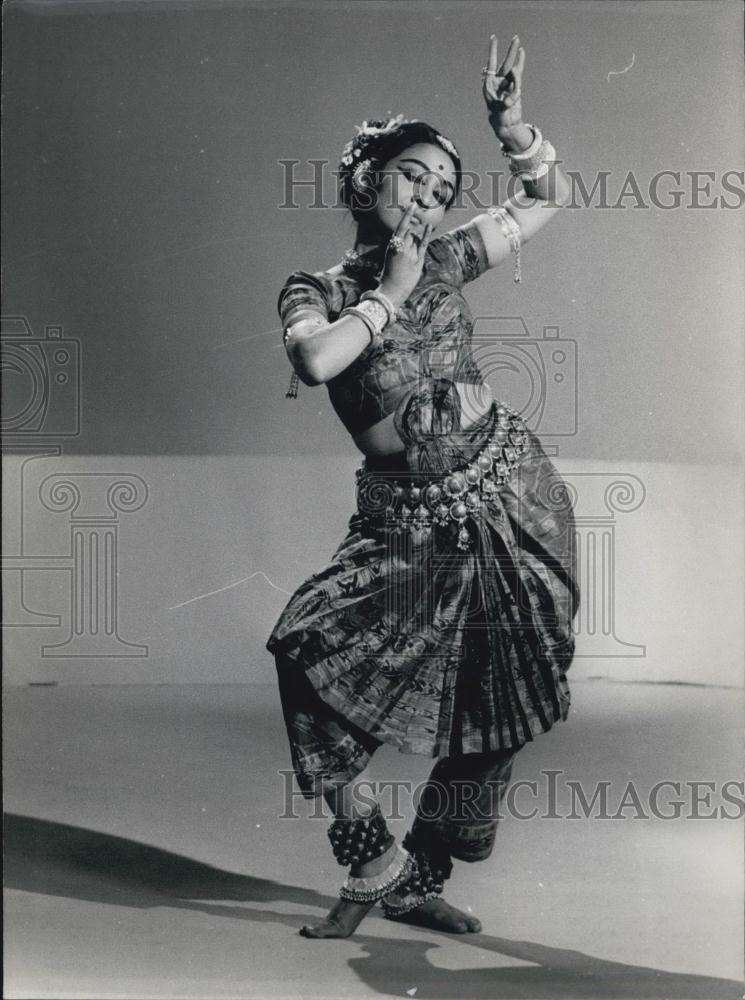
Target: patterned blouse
[(430, 342)]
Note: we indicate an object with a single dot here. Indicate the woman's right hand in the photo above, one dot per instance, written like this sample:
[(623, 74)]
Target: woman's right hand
[(403, 268)]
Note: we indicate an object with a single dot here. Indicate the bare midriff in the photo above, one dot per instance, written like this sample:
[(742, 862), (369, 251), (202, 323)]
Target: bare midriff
[(383, 439)]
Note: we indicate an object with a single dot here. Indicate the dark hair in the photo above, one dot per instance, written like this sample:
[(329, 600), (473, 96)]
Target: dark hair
[(379, 141)]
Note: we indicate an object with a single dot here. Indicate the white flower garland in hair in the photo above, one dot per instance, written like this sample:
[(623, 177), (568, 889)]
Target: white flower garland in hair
[(365, 133), (447, 144), (372, 130)]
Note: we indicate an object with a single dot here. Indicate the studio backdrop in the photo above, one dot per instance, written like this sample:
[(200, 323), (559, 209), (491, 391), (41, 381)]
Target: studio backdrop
[(168, 165)]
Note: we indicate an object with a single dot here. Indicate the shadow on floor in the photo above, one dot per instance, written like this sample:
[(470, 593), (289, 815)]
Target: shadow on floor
[(62, 860)]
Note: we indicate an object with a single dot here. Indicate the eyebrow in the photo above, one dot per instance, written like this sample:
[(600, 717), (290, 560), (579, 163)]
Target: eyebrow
[(410, 159)]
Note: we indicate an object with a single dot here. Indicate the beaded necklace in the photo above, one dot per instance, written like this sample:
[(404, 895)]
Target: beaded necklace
[(369, 262)]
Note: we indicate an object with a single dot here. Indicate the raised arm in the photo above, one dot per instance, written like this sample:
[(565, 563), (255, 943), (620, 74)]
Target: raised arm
[(545, 195)]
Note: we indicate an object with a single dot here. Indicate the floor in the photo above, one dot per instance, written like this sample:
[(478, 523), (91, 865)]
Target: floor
[(153, 848)]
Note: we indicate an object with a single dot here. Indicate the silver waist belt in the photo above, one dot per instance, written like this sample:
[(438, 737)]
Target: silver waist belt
[(400, 502)]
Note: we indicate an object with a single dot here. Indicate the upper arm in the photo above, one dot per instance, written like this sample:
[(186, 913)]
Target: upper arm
[(530, 219), (458, 256), (303, 305)]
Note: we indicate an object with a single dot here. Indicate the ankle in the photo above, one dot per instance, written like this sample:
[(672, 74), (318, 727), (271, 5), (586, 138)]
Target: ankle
[(376, 865)]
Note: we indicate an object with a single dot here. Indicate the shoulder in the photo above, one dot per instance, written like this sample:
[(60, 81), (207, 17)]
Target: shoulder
[(325, 290)]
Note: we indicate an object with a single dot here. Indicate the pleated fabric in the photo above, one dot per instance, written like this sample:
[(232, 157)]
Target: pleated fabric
[(431, 649)]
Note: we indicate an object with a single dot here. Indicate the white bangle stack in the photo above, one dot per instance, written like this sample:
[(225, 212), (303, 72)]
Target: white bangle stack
[(376, 295), (533, 162), (376, 311), (511, 232)]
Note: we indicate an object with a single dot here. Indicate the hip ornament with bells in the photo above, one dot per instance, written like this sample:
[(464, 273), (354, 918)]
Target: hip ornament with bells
[(449, 500)]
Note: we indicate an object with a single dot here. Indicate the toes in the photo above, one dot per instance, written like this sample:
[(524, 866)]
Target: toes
[(474, 925), (314, 931)]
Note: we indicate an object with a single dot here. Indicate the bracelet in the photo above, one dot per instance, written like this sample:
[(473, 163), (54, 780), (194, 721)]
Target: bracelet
[(373, 315), (375, 310), (511, 231), (532, 149), (537, 165), (376, 295)]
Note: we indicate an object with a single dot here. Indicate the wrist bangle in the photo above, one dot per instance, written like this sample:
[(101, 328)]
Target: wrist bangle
[(370, 314), (532, 148), (375, 310), (376, 295), (535, 166)]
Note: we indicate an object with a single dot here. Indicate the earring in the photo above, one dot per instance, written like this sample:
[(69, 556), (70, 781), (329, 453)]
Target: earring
[(359, 173)]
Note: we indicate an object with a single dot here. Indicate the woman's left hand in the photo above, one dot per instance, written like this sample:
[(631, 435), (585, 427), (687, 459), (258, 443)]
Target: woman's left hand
[(503, 85)]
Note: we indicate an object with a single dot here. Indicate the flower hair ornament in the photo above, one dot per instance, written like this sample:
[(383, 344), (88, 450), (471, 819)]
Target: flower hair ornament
[(362, 169), (354, 158), (447, 145)]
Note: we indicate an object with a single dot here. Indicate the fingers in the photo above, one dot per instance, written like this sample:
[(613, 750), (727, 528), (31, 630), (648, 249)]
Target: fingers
[(511, 56), (424, 242), (518, 67), (515, 79), (403, 225), (491, 63)]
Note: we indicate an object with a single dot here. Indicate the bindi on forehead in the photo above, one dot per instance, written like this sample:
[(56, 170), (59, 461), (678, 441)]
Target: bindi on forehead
[(421, 163)]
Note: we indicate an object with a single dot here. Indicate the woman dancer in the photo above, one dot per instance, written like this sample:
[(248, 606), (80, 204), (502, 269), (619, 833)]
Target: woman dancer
[(443, 623)]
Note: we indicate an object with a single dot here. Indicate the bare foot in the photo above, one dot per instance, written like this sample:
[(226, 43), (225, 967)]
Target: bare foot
[(342, 920), (345, 916), (438, 915)]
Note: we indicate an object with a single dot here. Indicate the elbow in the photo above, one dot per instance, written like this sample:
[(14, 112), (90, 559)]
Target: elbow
[(307, 366), (562, 193), (311, 378)]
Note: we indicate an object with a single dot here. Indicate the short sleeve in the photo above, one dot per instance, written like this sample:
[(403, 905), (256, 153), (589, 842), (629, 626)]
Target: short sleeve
[(302, 293), (458, 256)]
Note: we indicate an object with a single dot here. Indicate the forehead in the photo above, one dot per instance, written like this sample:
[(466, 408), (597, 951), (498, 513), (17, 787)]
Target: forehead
[(435, 159)]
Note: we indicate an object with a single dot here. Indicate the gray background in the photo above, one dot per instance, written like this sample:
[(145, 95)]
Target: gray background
[(142, 185), (142, 182), (144, 855)]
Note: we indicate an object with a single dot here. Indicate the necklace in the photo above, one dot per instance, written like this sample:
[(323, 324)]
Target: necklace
[(368, 263)]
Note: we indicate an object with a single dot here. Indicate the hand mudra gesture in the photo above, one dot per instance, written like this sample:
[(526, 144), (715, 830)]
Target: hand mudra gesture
[(404, 258), (502, 85)]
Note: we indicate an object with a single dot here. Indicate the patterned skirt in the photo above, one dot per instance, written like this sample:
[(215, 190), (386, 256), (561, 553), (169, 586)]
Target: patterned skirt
[(411, 638)]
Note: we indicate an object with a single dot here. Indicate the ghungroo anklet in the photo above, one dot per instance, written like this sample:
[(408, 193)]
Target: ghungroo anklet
[(355, 841), (431, 866), (370, 890)]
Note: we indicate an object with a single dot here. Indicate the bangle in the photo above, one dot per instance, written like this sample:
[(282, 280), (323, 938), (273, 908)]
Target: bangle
[(376, 295), (379, 313), (511, 231), (537, 165), (371, 314), (532, 148)]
